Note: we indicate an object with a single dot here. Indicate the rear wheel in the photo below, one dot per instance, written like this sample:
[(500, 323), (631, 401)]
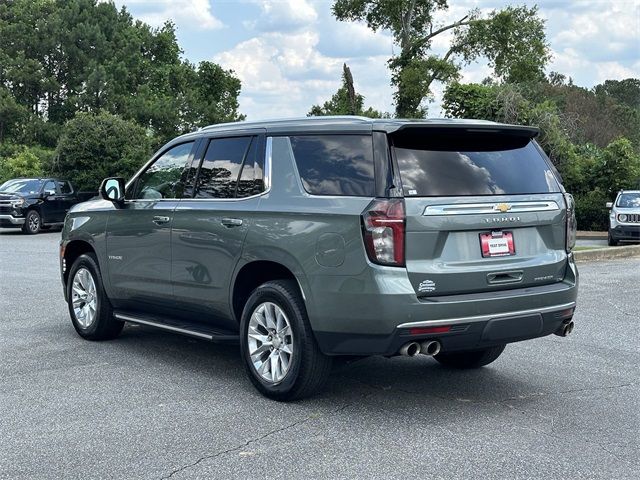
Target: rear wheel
[(32, 223), (278, 348), (89, 308), (612, 241), (470, 358)]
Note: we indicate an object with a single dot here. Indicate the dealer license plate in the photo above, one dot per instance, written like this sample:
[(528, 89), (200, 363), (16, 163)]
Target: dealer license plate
[(497, 244)]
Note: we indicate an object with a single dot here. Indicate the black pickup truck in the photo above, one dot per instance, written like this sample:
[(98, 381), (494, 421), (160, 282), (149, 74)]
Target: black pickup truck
[(35, 204)]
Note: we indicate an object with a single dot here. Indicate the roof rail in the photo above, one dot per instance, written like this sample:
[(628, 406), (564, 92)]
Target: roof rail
[(320, 119)]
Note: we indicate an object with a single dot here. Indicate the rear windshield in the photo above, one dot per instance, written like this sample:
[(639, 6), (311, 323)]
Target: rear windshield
[(442, 168)]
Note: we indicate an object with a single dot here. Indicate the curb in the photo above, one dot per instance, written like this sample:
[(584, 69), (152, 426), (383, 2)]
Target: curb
[(587, 235), (608, 253)]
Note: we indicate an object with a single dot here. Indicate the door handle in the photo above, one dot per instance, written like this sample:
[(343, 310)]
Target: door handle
[(505, 277), (160, 220), (231, 222)]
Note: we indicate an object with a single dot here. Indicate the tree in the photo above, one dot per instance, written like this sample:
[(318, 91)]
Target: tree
[(60, 57), (618, 168), (513, 40), (625, 91), (214, 97), (95, 146), (12, 115), (25, 163), (345, 101)]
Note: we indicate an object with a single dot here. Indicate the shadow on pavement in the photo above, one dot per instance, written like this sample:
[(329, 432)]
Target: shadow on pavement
[(210, 365)]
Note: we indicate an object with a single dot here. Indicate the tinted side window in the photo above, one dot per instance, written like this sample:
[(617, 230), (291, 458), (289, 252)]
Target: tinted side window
[(49, 187), (163, 179), (335, 164), (65, 188), (251, 180), (221, 166)]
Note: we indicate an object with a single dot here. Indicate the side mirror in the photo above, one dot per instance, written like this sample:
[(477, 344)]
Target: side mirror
[(112, 189), (609, 204), (49, 193)]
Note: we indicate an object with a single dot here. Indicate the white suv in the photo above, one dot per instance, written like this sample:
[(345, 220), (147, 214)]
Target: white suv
[(624, 217)]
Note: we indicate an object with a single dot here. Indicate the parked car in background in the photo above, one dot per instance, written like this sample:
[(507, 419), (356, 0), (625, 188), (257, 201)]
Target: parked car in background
[(311, 238), (624, 217), (35, 204)]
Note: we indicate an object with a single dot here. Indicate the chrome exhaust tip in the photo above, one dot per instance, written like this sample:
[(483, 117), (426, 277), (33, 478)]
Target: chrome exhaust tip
[(565, 330), (410, 349), (430, 347)]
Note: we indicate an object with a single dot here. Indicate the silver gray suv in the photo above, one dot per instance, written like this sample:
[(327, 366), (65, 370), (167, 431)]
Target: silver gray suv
[(624, 217), (312, 238)]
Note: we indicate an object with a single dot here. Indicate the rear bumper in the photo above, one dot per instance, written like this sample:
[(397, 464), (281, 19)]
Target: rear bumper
[(626, 232), (466, 333), (366, 324), (11, 221)]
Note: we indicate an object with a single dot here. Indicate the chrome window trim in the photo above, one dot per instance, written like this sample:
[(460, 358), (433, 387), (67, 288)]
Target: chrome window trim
[(483, 318), (489, 208), (266, 178)]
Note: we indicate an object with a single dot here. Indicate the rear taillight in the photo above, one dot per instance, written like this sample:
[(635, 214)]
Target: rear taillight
[(572, 225), (383, 224)]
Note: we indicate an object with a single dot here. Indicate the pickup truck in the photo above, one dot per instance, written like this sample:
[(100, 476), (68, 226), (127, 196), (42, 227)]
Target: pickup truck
[(36, 204)]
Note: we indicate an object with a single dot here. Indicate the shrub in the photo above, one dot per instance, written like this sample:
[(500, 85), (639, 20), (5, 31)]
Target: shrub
[(95, 146), (591, 212), (25, 162)]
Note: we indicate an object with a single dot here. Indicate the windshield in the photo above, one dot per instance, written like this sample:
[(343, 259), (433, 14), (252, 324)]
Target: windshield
[(453, 169), (21, 186), (629, 200)]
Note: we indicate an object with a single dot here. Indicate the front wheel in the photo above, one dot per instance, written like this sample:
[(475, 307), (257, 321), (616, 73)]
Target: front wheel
[(32, 223), (470, 358), (611, 241), (89, 307), (279, 351)]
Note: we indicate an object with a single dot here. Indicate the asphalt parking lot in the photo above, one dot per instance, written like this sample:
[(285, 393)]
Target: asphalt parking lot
[(155, 405)]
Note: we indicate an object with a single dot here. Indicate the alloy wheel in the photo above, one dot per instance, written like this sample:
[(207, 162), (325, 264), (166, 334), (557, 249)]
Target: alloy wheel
[(34, 222), (270, 342), (84, 297)]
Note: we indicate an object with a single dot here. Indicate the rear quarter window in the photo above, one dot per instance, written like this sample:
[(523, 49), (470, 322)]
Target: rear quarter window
[(335, 164), (483, 169)]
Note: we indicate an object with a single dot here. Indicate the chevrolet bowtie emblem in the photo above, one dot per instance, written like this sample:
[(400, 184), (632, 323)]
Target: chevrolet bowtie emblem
[(502, 207)]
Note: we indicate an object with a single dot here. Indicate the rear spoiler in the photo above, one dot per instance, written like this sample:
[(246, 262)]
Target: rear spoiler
[(462, 136), (469, 127)]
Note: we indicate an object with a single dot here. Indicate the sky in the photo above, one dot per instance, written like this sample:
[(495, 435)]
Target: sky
[(289, 53)]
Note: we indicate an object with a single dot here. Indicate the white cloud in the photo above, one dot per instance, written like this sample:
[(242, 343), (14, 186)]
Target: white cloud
[(615, 71), (282, 15), (194, 14), (281, 73), (289, 53), (353, 39)]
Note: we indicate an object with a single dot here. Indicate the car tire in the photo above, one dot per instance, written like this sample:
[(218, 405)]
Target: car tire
[(470, 358), (272, 310), (612, 241), (90, 310), (32, 223)]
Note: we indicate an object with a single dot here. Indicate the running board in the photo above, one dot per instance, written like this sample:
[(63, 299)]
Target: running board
[(198, 331)]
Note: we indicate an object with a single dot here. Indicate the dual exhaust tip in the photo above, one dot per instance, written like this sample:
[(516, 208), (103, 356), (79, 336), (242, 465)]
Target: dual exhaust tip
[(428, 347), (432, 347), (565, 329)]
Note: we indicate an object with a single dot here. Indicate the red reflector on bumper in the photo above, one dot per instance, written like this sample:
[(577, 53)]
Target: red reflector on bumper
[(428, 330), (565, 313)]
